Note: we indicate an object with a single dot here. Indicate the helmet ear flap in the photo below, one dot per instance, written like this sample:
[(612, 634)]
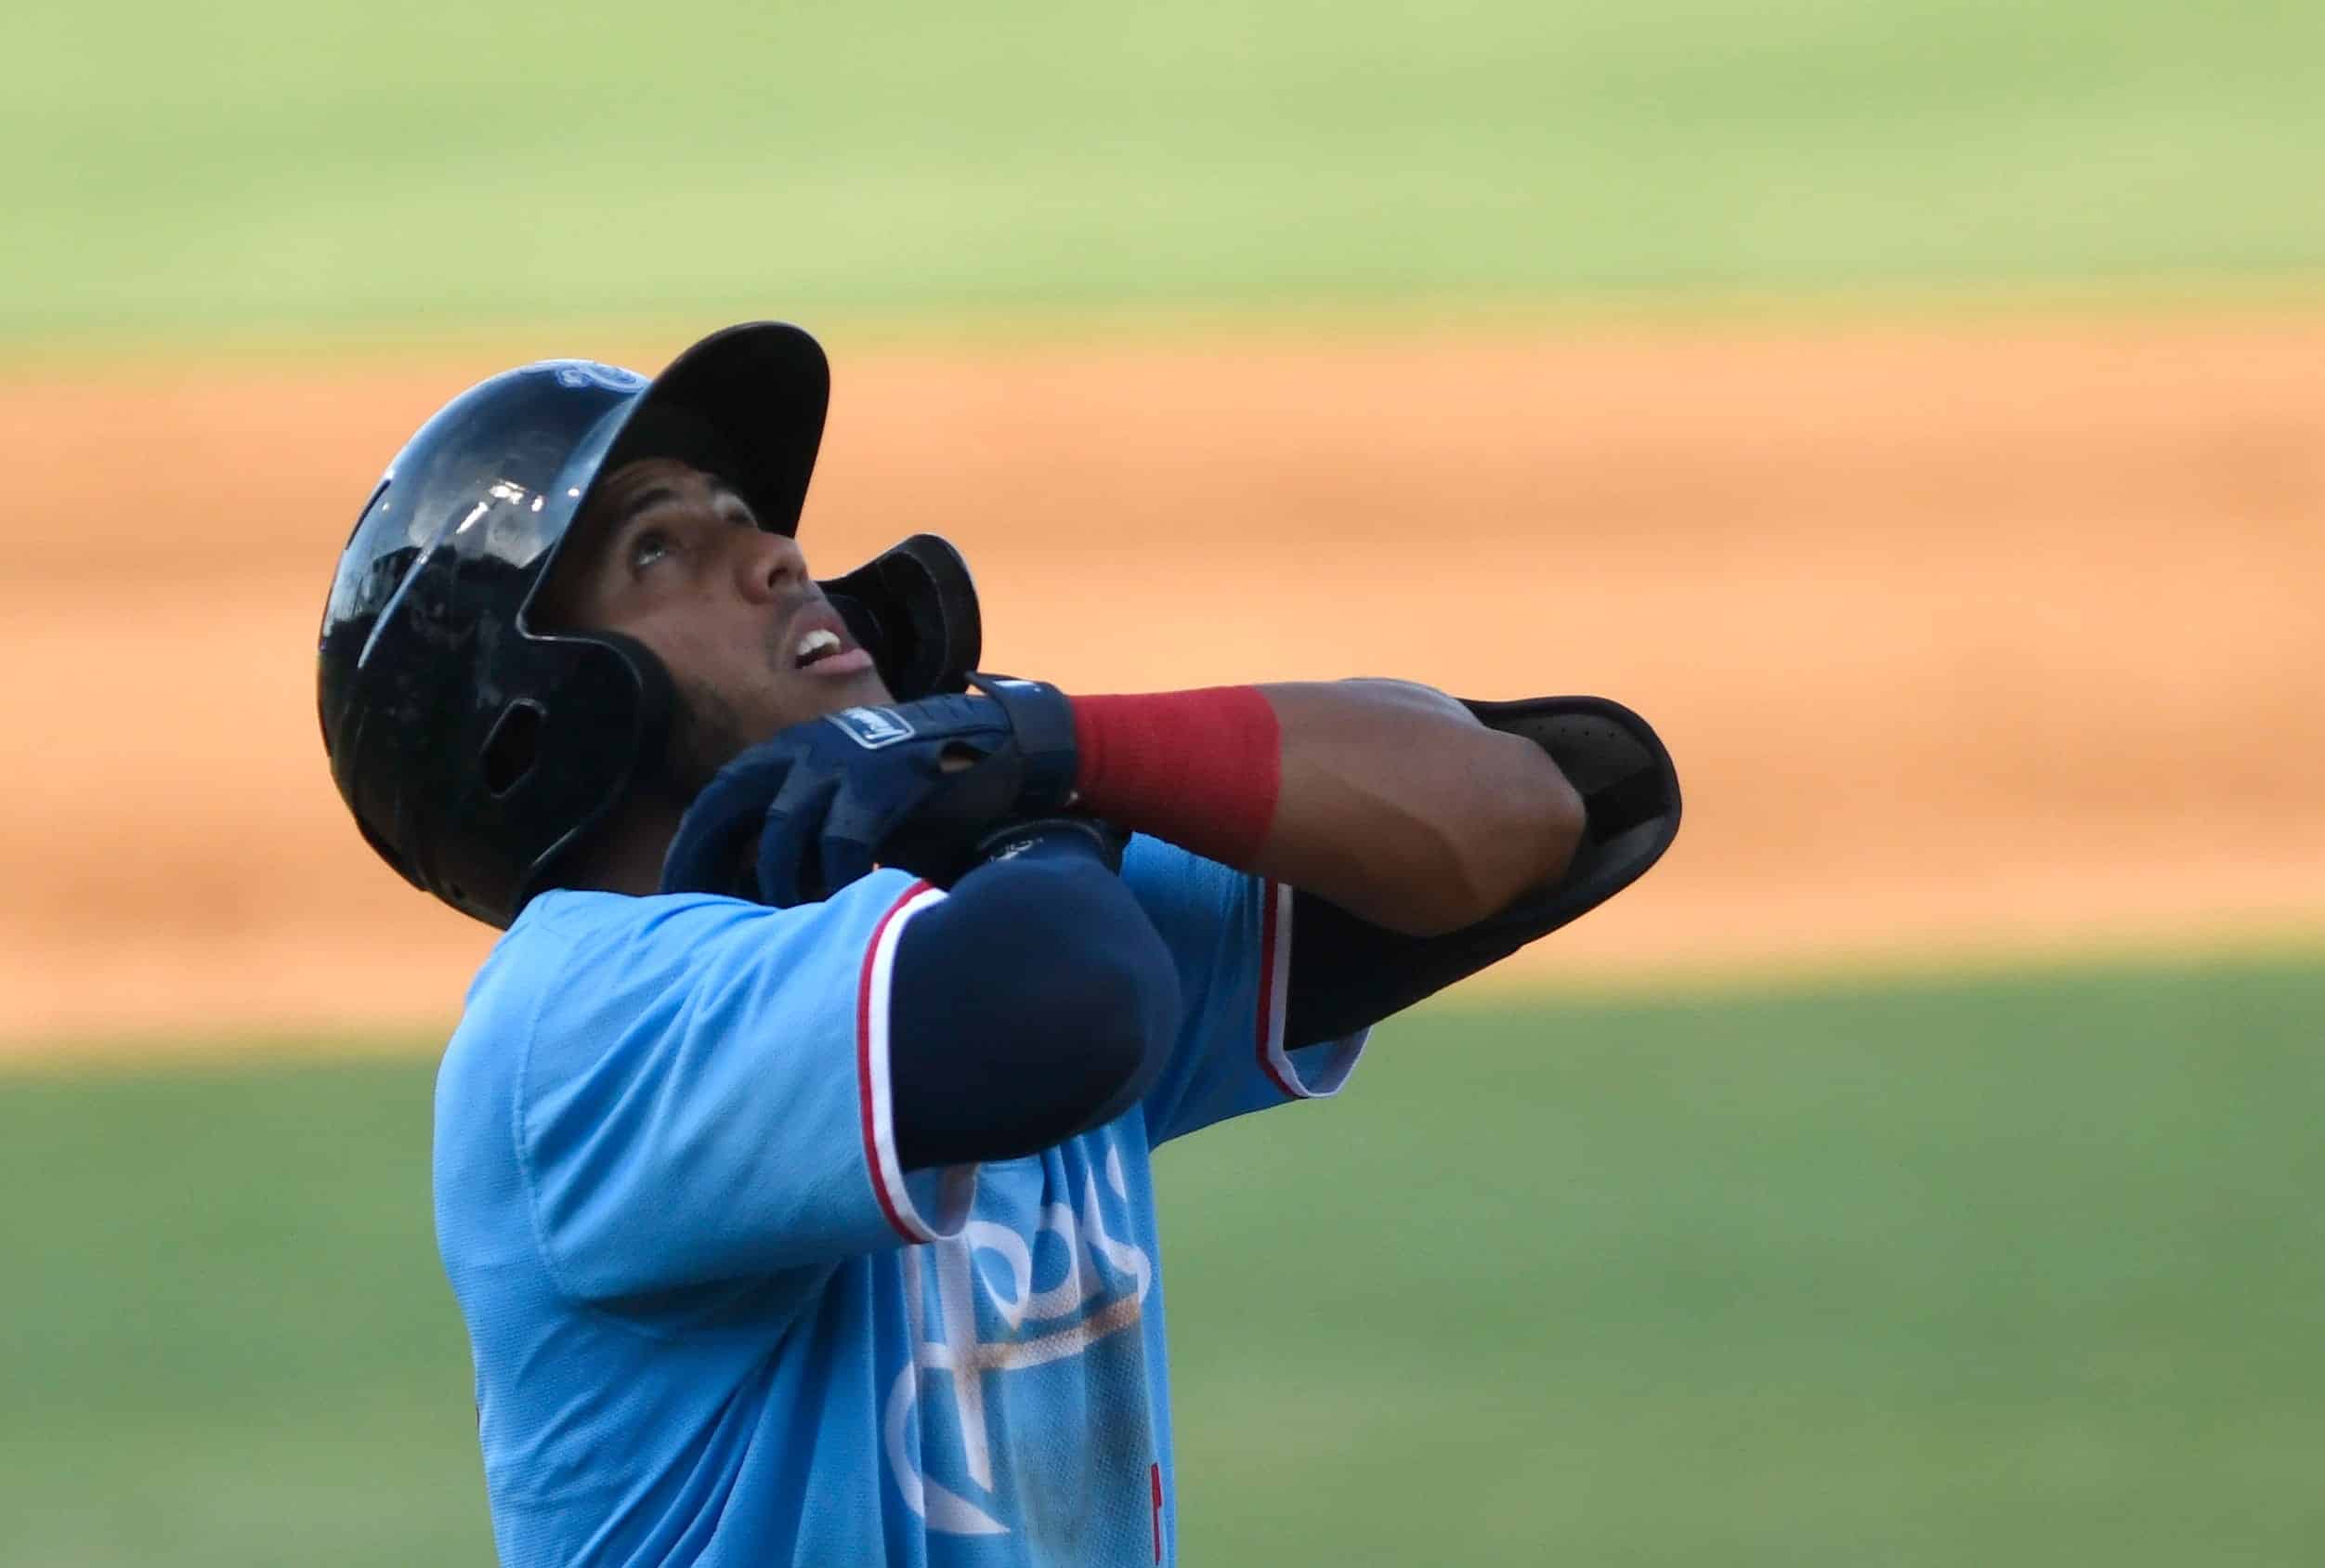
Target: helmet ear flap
[(631, 721), (914, 609), (657, 695), (513, 747)]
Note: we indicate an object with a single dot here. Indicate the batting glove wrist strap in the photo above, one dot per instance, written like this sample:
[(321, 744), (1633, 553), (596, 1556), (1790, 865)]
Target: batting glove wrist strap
[(1041, 727), (1056, 838)]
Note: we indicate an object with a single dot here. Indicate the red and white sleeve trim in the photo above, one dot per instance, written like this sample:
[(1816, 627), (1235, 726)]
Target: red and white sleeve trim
[(956, 1185), (1328, 1066)]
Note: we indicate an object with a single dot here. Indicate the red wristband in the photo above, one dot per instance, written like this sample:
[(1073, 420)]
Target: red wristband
[(1199, 768)]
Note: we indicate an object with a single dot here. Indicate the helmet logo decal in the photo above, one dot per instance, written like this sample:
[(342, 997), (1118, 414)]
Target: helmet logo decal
[(578, 373)]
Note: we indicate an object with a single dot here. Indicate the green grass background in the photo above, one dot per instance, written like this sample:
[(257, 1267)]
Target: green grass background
[(275, 170), (2014, 1271)]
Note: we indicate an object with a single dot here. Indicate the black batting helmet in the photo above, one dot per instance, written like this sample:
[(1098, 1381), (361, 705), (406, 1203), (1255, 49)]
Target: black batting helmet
[(475, 748)]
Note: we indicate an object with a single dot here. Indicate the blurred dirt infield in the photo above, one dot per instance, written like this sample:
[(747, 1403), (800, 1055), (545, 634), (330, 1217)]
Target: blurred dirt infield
[(1966, 639)]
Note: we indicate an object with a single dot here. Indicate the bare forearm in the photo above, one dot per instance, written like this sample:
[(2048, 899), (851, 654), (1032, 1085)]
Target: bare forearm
[(1388, 798), (1398, 805)]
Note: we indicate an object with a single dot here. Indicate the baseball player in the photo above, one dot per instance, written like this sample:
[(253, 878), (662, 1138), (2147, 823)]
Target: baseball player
[(793, 1161)]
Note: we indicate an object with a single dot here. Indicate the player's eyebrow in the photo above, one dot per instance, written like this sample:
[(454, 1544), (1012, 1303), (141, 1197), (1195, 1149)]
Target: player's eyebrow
[(647, 499)]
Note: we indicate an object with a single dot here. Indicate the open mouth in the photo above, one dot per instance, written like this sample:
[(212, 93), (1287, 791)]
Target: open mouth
[(824, 652), (814, 647)]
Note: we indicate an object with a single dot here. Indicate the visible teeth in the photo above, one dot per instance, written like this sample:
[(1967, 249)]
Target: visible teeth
[(816, 643)]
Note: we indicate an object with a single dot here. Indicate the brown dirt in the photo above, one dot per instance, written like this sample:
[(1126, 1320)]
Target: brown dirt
[(1971, 639)]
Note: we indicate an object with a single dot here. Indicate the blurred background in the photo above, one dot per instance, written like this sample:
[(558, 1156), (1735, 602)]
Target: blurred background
[(1913, 406)]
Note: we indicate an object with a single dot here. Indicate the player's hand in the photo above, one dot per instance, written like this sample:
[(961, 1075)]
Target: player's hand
[(922, 786)]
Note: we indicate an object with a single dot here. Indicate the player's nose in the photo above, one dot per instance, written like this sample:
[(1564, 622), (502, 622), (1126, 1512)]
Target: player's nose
[(769, 566)]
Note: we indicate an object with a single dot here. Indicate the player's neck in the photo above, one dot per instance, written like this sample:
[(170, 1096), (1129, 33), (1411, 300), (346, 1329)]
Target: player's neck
[(626, 856)]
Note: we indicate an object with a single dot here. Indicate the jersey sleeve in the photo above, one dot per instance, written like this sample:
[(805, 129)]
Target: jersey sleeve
[(1231, 937), (704, 1093)]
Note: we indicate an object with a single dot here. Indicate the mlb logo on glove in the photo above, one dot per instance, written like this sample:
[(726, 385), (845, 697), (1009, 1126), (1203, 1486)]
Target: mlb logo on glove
[(872, 727)]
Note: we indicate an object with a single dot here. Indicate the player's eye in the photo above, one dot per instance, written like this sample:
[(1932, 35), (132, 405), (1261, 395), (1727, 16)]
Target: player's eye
[(648, 547), (736, 510)]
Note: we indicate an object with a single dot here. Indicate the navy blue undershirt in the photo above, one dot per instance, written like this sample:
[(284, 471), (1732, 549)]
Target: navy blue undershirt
[(1036, 1002)]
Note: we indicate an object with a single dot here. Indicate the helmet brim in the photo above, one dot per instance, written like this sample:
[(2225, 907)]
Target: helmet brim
[(747, 402)]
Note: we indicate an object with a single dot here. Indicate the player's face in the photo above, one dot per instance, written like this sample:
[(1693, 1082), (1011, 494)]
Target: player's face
[(670, 556)]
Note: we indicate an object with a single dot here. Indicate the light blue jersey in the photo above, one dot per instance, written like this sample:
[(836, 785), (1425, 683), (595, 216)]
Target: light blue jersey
[(714, 1322)]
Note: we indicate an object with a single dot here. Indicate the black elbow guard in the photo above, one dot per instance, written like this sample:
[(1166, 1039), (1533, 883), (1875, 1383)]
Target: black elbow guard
[(1630, 796)]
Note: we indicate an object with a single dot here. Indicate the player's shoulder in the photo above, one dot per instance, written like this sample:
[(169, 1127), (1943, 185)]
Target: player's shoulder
[(572, 968), (576, 961), (583, 983), (565, 927), (564, 931), (570, 947)]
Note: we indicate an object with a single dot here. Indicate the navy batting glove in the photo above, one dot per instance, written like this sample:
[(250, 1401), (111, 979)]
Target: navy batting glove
[(920, 785), (1055, 838)]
